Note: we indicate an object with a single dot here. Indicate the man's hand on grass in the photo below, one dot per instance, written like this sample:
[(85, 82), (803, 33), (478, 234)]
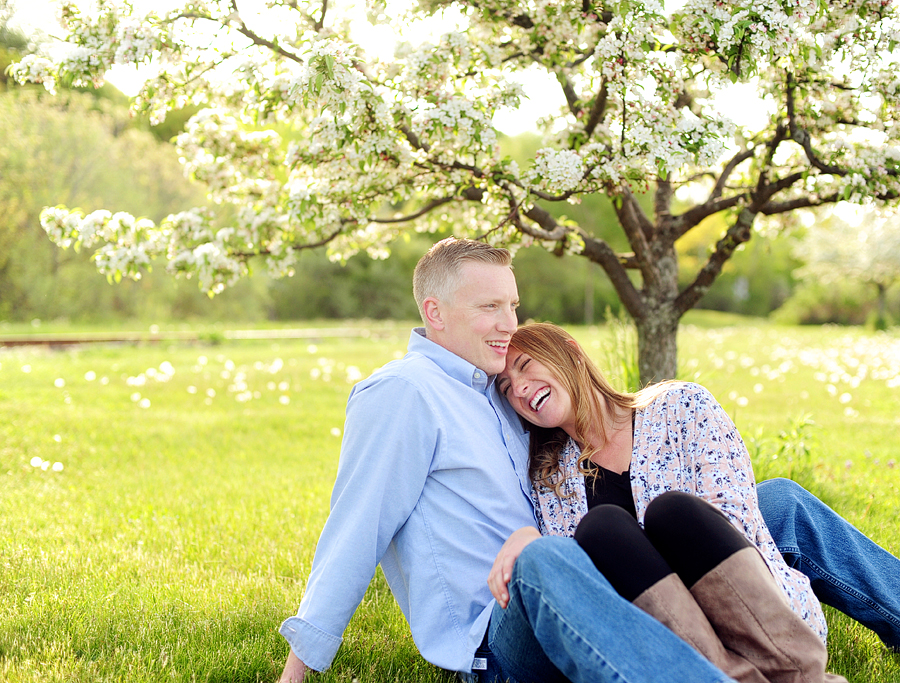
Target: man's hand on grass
[(294, 670)]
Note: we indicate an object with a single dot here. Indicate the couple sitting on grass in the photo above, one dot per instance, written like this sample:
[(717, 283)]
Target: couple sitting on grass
[(593, 536)]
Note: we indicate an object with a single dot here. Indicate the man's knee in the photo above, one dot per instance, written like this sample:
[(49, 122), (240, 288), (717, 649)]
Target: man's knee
[(545, 557), (780, 498), (544, 549)]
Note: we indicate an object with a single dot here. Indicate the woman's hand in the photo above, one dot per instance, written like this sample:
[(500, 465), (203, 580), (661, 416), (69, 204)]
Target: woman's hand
[(501, 572)]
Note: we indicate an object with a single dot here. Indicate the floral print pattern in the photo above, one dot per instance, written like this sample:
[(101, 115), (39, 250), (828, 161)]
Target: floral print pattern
[(685, 441)]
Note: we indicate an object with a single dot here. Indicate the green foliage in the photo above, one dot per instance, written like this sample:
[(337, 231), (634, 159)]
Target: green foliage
[(756, 281), (13, 43), (621, 359), (81, 149), (843, 303), (560, 289), (361, 288), (788, 454)]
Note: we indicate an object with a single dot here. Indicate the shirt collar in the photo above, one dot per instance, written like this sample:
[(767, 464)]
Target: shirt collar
[(458, 368)]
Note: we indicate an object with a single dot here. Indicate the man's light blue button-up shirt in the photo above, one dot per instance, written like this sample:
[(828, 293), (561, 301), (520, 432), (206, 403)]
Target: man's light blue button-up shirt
[(432, 480)]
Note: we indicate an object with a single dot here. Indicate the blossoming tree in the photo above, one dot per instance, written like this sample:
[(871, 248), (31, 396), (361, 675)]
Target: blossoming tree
[(313, 142)]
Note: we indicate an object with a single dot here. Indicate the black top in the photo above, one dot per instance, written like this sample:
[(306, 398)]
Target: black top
[(610, 488)]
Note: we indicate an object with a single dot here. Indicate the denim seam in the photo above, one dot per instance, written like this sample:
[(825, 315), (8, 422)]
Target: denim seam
[(564, 622), (825, 576)]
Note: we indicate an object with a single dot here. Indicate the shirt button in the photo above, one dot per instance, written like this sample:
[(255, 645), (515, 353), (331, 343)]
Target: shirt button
[(477, 375)]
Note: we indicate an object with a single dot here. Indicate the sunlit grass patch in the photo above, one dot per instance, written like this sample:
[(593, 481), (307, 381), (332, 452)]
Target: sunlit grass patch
[(178, 534)]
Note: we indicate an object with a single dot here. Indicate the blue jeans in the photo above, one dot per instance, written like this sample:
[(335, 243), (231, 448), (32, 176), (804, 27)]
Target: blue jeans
[(846, 569), (564, 622)]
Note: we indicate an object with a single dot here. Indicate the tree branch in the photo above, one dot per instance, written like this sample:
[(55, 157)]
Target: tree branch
[(642, 220), (692, 217), (549, 229), (614, 265), (662, 201), (630, 219), (736, 235), (414, 139), (257, 39), (418, 214), (802, 137), (300, 247), (568, 89), (784, 183), (598, 111), (320, 22), (263, 42), (730, 167)]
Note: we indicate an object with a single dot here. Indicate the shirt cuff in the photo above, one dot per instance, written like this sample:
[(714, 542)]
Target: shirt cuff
[(312, 645)]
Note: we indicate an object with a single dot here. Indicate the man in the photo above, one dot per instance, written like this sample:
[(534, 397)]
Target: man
[(432, 481)]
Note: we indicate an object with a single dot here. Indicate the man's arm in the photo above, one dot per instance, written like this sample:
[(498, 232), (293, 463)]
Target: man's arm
[(294, 670), (389, 441)]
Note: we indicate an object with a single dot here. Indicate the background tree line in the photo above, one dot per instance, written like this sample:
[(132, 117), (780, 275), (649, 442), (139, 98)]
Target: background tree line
[(85, 149)]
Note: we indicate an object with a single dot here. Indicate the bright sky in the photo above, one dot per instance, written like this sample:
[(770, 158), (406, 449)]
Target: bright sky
[(545, 94)]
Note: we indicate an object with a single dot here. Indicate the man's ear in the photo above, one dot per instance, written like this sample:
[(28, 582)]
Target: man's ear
[(432, 310)]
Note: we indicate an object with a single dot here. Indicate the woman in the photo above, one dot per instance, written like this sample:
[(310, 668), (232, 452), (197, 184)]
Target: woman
[(603, 463)]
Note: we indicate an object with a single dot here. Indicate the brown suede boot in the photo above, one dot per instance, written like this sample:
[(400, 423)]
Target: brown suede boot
[(670, 602), (751, 616)]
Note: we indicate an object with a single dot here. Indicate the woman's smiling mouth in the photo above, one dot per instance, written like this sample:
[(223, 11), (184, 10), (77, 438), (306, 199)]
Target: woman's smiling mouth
[(539, 398)]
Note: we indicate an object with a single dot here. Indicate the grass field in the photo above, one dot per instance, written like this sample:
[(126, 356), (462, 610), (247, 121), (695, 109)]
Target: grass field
[(160, 504)]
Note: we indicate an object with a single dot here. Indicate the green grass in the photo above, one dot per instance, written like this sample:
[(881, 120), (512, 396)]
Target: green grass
[(177, 536)]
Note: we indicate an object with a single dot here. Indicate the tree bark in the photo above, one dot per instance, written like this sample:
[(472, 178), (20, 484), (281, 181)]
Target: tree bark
[(657, 325), (657, 344), (881, 319)]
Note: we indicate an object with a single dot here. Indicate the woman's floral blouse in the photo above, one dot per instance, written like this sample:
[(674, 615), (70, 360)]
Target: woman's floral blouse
[(685, 441)]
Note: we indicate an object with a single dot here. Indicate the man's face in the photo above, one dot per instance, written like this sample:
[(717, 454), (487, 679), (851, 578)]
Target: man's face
[(480, 317)]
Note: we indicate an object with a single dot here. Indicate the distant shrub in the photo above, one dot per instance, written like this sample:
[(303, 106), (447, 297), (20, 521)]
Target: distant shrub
[(844, 303)]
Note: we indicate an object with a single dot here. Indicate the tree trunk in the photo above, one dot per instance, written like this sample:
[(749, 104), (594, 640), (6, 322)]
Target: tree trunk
[(657, 344), (881, 320), (657, 323)]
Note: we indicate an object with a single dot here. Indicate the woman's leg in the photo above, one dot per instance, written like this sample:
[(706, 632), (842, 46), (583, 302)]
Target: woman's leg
[(732, 584), (692, 535), (620, 549)]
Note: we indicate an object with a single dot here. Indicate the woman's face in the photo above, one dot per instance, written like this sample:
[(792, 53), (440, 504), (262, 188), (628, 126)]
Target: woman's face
[(535, 393)]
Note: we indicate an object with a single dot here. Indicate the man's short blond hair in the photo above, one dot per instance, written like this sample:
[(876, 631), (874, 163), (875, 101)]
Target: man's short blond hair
[(437, 273)]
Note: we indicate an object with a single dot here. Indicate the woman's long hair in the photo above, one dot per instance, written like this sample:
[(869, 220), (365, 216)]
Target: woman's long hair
[(591, 394)]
